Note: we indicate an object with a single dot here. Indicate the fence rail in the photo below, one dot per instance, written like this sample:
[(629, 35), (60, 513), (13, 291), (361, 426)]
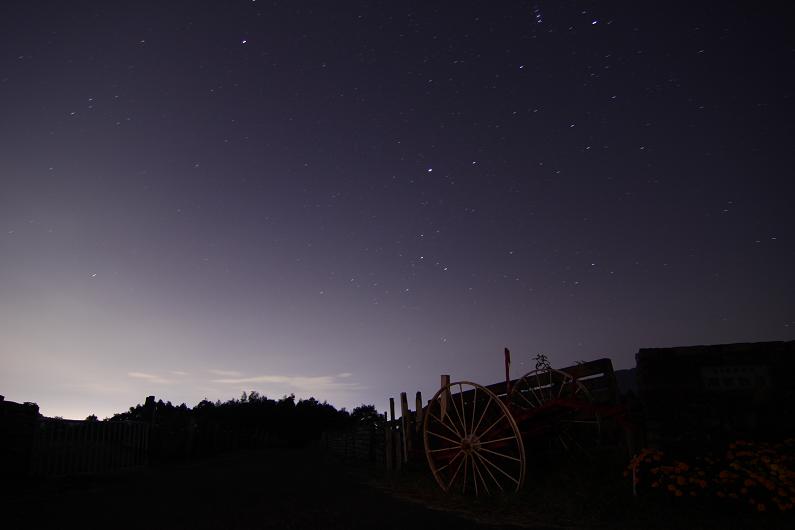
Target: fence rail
[(363, 443)]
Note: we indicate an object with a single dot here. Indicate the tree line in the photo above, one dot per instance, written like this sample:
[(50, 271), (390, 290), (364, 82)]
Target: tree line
[(253, 420)]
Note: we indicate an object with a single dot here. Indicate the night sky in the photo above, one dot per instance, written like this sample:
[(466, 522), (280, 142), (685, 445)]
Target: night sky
[(347, 199)]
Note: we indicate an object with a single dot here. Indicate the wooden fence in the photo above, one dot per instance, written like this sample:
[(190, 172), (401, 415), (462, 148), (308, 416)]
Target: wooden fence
[(31, 444), (67, 447), (363, 443)]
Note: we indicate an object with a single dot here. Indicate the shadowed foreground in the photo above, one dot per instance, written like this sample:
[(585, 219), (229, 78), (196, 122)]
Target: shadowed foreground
[(268, 489)]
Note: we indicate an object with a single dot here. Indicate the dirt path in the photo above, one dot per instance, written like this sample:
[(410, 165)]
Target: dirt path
[(275, 489)]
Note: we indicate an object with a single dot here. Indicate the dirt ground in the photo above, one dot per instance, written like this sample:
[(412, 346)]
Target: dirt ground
[(304, 489), (280, 488)]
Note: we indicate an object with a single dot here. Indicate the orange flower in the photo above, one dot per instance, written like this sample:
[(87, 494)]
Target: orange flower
[(760, 507), (679, 493), (681, 481)]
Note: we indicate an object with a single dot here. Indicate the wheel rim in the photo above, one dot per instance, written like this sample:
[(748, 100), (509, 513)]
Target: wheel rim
[(561, 404), (472, 442)]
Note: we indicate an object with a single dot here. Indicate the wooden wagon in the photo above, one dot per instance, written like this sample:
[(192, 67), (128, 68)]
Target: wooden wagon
[(477, 438)]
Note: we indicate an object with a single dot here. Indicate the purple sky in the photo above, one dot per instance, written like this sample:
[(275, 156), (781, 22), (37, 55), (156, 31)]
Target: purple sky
[(346, 199)]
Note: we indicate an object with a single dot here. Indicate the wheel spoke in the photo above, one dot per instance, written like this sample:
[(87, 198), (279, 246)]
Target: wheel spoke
[(482, 414), (448, 464), (521, 395), (474, 406), (498, 468), (476, 470), (456, 442), (443, 449), (497, 482), (498, 440), (450, 428), (458, 414), (563, 384), (492, 425), (571, 439), (463, 408), (533, 390), (466, 471), (474, 476), (500, 454), (480, 474), (449, 484)]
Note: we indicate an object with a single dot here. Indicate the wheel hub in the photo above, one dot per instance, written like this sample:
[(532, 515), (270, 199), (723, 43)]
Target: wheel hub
[(470, 443)]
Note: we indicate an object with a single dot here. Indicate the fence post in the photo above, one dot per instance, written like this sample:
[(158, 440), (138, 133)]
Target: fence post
[(397, 457), (418, 412), (405, 429), (397, 446), (387, 444)]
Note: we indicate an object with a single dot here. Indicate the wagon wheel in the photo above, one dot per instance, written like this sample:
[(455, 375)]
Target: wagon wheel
[(558, 408), (472, 442)]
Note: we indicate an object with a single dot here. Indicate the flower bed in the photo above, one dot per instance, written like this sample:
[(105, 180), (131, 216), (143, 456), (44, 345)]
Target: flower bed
[(758, 474)]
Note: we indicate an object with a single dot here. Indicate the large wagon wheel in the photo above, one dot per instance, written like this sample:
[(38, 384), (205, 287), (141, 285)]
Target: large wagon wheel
[(557, 409), (472, 442)]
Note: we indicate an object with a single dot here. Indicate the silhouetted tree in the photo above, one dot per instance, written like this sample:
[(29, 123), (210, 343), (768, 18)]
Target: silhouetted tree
[(366, 415), (250, 421)]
